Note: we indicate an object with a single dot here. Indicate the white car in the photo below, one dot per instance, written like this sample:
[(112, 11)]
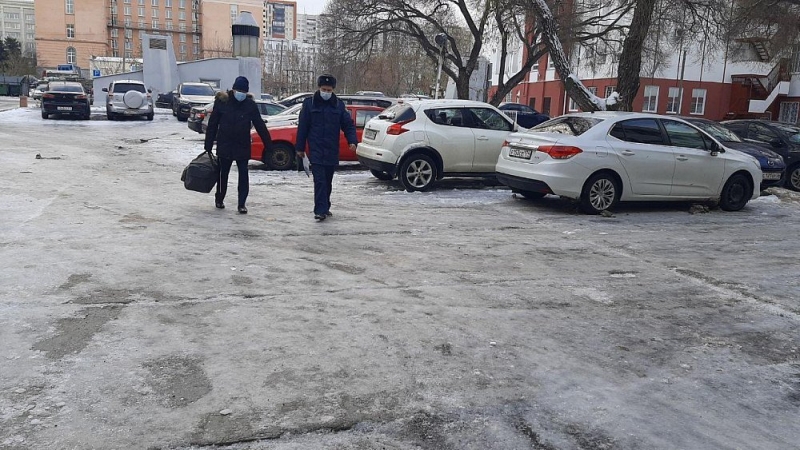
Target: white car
[(421, 141), (605, 157), (128, 98)]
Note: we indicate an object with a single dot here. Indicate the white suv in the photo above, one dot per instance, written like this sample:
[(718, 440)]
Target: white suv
[(421, 141), (128, 98)]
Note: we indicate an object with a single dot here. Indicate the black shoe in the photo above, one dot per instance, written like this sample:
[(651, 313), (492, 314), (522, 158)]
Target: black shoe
[(219, 205), (328, 214), (242, 210), (320, 217)]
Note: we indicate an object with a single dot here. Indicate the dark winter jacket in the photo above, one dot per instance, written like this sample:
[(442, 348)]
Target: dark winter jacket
[(319, 125), (229, 126)]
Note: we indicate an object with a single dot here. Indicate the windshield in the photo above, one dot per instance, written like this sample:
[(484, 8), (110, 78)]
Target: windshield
[(571, 125), (125, 87), (67, 88), (197, 90), (793, 133), (717, 131)]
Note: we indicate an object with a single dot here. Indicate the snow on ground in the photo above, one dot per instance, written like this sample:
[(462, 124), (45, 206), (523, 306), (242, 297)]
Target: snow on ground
[(133, 314)]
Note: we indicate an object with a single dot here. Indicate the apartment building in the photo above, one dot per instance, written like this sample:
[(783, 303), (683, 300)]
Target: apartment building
[(280, 19), (217, 16), (18, 21), (307, 28)]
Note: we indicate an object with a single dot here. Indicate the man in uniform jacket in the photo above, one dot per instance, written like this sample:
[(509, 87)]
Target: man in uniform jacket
[(321, 120), (229, 125)]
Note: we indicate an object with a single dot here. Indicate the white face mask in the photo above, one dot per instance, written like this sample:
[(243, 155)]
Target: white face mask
[(325, 95), (239, 95)]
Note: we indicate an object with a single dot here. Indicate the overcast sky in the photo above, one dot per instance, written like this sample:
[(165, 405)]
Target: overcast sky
[(310, 6)]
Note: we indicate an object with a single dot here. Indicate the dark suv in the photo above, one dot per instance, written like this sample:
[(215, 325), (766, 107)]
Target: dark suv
[(783, 138)]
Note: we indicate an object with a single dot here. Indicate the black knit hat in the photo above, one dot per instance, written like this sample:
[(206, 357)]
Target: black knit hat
[(326, 79), (241, 84)]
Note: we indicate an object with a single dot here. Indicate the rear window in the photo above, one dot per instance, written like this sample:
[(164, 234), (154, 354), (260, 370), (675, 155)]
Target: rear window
[(121, 88), (66, 87), (573, 126), (197, 90), (398, 113)]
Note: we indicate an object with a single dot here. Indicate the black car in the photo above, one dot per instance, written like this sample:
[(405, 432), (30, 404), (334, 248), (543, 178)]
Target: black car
[(783, 138), (527, 117), (164, 99), (65, 98), (772, 165), (295, 99)]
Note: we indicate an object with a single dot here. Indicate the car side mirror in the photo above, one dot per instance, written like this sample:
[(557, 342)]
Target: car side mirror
[(105, 89), (715, 149)]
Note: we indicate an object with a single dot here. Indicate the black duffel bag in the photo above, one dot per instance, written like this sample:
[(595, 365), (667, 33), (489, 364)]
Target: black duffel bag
[(202, 173)]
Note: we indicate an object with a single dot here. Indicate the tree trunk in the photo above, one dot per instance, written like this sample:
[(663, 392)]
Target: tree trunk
[(572, 85), (630, 61)]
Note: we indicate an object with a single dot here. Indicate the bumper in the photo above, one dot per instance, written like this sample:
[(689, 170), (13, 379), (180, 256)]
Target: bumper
[(377, 158), (196, 126), (774, 182), (129, 111), (78, 109), (523, 184), (380, 166)]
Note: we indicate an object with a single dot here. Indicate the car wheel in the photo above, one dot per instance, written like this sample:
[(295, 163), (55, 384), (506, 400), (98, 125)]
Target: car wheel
[(88, 115), (150, 116), (45, 115), (381, 175), (736, 193), (182, 118), (417, 173), (599, 194), (279, 157), (532, 195), (793, 178)]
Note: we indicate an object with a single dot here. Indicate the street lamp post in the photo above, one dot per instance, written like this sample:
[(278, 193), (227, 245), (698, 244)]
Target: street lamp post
[(441, 41)]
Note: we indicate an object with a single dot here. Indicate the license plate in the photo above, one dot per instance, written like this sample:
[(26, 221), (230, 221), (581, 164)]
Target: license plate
[(370, 134), (520, 153), (65, 108), (772, 175)]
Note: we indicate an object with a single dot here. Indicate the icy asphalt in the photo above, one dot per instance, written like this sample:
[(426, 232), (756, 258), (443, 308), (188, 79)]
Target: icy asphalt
[(134, 315)]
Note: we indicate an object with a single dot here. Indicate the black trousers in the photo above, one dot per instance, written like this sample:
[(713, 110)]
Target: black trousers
[(244, 179), (323, 183)]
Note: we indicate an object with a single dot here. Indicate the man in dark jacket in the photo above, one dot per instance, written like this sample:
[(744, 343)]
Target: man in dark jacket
[(321, 120), (229, 126)]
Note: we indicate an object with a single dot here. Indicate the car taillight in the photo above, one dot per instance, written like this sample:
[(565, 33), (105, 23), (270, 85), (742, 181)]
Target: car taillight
[(505, 144), (397, 128), (560, 151), (201, 116), (48, 96)]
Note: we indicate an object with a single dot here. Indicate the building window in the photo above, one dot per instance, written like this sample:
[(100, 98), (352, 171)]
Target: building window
[(182, 38), (181, 15), (141, 2), (194, 5), (141, 11), (183, 48), (70, 6), (128, 45), (128, 2), (141, 24), (181, 4), (169, 25), (128, 33), (196, 39), (546, 105), (789, 112), (182, 27), (127, 10), (609, 91), (70, 30), (234, 12), (155, 25), (114, 32), (168, 14), (650, 99), (168, 3), (698, 102), (30, 17), (128, 22), (113, 43), (593, 90), (72, 55), (154, 3), (154, 14), (196, 49), (129, 55), (674, 100)]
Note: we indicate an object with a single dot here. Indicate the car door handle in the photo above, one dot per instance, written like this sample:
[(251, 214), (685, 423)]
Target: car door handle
[(628, 153), (482, 138), (681, 158)]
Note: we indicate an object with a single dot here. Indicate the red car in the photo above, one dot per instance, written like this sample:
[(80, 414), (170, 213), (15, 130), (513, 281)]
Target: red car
[(282, 155)]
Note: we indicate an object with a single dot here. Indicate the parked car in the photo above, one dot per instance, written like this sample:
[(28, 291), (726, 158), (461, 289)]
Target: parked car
[(368, 100), (295, 99), (603, 158), (772, 165), (784, 140), (421, 141), (416, 96), (65, 98), (188, 95), (128, 98), (40, 88), (526, 116), (284, 138), (164, 99), (200, 115), (371, 93)]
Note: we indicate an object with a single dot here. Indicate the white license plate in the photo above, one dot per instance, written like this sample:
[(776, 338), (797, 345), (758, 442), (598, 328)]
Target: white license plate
[(772, 175), (370, 134), (64, 108), (520, 153)]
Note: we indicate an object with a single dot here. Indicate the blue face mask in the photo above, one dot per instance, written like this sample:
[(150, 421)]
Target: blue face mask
[(239, 95), (325, 95)]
